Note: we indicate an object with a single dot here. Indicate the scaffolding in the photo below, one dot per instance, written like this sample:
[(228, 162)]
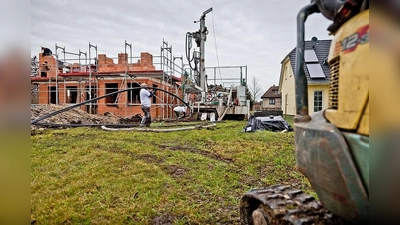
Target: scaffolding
[(34, 66), (85, 80)]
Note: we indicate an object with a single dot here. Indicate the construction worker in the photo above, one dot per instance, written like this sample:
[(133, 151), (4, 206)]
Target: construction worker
[(46, 51), (145, 102), (180, 111)]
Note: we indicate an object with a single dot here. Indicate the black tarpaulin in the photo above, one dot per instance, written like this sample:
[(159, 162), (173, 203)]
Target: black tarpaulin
[(270, 123)]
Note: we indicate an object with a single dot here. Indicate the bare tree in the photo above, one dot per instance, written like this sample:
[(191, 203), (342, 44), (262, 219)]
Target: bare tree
[(255, 88)]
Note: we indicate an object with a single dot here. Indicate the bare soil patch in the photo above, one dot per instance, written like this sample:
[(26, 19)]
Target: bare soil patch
[(175, 171), (164, 219), (75, 116)]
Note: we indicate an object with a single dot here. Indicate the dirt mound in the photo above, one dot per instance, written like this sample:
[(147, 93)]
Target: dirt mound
[(76, 116)]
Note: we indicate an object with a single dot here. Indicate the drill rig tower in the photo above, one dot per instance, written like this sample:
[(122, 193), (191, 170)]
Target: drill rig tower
[(200, 37), (213, 98), (203, 37)]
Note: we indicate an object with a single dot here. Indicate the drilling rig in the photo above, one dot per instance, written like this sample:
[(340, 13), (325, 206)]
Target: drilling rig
[(217, 99)]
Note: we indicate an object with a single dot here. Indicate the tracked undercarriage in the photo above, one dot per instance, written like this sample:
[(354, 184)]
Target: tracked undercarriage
[(280, 204)]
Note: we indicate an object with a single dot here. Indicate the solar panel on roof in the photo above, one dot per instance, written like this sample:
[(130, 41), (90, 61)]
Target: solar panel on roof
[(310, 56), (315, 70)]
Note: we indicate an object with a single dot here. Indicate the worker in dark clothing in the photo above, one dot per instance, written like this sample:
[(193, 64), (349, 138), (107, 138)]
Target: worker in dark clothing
[(46, 51)]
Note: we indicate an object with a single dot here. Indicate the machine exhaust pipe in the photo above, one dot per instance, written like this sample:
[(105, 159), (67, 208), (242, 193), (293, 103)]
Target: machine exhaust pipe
[(300, 77)]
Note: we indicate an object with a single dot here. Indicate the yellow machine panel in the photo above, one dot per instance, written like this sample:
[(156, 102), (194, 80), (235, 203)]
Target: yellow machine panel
[(349, 85)]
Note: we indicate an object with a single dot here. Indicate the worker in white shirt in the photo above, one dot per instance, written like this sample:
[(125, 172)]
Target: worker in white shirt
[(180, 111), (146, 95)]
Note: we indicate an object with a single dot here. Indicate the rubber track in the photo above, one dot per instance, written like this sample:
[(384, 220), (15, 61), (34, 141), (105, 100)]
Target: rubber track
[(281, 204)]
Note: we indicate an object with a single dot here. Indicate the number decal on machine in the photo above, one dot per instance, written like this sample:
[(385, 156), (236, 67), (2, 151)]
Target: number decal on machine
[(351, 42)]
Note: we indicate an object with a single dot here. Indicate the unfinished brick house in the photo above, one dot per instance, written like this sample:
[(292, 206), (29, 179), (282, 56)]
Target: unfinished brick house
[(67, 84)]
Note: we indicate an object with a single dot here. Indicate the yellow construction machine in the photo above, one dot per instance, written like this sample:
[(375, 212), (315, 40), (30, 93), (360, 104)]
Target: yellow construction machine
[(332, 146)]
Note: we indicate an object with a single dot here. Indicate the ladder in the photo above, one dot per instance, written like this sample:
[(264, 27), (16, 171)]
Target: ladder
[(123, 86)]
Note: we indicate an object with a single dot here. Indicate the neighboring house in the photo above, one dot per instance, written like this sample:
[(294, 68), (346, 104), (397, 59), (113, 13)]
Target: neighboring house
[(317, 71), (271, 99)]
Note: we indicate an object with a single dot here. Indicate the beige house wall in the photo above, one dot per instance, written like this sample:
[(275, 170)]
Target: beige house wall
[(286, 87), (277, 106)]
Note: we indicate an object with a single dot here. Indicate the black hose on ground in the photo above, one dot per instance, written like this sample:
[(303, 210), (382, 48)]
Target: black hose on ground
[(118, 125), (104, 96)]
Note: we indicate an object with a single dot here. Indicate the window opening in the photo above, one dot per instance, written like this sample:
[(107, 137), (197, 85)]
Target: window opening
[(72, 94), (111, 87), (133, 95)]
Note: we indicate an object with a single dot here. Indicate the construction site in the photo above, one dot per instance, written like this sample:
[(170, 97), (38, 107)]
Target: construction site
[(102, 85), (218, 173)]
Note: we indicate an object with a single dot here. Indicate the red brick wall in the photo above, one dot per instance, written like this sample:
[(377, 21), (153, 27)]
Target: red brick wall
[(106, 64), (51, 63), (43, 94), (121, 108)]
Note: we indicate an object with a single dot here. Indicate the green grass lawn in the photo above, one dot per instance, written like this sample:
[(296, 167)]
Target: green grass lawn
[(92, 176)]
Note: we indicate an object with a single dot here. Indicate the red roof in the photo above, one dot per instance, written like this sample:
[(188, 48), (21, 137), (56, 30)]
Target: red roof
[(270, 92)]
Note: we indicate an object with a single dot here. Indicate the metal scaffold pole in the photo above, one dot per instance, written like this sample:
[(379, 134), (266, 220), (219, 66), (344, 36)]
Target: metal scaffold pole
[(181, 58), (90, 75), (166, 67), (63, 48), (79, 58), (126, 71), (80, 65)]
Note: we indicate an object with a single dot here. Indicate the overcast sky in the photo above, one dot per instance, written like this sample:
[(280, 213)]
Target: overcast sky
[(256, 33)]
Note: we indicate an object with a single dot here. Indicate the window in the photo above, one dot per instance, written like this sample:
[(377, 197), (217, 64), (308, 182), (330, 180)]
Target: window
[(53, 95), (72, 94), (133, 95), (155, 93), (110, 88), (317, 101), (91, 107), (275, 92), (272, 101)]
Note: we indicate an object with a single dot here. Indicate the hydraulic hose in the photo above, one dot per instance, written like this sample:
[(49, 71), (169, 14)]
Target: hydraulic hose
[(104, 96), (187, 51)]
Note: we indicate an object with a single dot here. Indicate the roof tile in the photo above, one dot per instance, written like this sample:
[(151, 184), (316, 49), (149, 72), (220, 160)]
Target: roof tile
[(270, 92)]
